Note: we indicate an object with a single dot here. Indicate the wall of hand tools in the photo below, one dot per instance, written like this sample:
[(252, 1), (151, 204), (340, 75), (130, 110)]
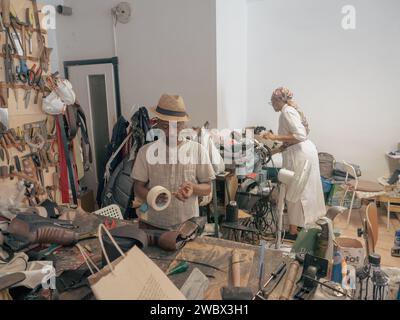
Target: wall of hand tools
[(28, 148)]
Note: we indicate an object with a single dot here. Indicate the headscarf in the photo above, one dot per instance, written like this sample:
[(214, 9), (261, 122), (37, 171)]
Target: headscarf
[(285, 95)]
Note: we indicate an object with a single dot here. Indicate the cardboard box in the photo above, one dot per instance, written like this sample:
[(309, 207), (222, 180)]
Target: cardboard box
[(352, 251)]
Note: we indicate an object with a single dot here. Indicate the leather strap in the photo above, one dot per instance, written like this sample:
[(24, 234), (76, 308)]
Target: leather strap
[(131, 232), (72, 122), (63, 176), (77, 120), (67, 157), (84, 131)]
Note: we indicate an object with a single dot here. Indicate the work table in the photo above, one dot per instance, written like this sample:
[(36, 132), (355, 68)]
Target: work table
[(69, 258)]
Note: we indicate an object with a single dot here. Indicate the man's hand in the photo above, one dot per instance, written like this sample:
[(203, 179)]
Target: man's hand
[(185, 191)]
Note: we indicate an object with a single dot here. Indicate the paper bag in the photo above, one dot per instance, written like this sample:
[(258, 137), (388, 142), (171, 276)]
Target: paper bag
[(133, 276)]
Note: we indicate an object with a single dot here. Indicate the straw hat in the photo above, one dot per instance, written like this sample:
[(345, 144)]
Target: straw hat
[(171, 108)]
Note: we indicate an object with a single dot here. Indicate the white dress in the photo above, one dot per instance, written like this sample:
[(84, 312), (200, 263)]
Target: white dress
[(312, 203)]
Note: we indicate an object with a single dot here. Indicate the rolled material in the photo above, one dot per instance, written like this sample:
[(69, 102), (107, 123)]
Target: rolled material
[(5, 9), (236, 268), (153, 195), (290, 280)]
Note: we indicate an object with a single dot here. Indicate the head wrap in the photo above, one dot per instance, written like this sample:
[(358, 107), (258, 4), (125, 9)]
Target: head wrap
[(285, 95)]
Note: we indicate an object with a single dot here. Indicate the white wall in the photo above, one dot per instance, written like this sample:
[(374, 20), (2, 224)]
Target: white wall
[(231, 63), (347, 82), (169, 46)]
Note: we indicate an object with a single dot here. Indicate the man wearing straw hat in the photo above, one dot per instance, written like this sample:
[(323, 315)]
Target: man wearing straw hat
[(180, 165)]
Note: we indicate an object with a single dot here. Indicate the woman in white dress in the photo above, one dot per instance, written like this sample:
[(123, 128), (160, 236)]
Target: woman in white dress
[(293, 132)]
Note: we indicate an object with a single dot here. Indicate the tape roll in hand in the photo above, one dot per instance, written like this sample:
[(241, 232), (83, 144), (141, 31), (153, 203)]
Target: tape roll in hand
[(154, 194)]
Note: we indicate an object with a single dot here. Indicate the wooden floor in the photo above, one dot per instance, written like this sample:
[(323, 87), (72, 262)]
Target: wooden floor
[(386, 236)]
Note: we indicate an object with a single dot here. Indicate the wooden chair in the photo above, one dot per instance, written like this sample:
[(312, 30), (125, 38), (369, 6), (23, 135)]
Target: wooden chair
[(372, 227)]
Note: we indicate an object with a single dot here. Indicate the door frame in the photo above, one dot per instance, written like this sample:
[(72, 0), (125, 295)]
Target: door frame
[(114, 61)]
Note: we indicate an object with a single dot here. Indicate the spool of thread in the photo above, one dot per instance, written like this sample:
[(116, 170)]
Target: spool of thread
[(232, 212), (153, 198), (290, 280)]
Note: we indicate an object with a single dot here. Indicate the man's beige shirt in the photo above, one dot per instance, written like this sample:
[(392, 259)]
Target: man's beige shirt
[(190, 163)]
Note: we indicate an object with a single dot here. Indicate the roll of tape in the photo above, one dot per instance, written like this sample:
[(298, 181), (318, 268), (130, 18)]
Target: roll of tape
[(153, 195)]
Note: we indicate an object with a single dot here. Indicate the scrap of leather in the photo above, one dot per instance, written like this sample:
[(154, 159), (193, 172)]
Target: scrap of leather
[(188, 229), (10, 280), (131, 232), (175, 240), (170, 241), (38, 230), (83, 221)]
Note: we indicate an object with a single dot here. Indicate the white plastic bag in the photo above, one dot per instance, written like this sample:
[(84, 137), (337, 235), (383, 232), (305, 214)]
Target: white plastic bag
[(65, 92), (53, 105)]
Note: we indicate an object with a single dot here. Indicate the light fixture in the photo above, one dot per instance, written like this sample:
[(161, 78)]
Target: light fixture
[(122, 13)]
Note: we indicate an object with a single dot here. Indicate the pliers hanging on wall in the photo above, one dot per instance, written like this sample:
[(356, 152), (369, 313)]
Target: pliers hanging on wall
[(3, 146)]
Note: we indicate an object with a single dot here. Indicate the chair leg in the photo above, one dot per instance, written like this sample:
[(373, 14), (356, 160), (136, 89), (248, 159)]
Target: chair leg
[(344, 197), (388, 215), (351, 207)]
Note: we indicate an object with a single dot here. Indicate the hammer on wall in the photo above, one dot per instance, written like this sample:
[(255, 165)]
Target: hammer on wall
[(236, 292)]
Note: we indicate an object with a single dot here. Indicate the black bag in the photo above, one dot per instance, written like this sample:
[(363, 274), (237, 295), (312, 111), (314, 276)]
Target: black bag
[(119, 189), (118, 136)]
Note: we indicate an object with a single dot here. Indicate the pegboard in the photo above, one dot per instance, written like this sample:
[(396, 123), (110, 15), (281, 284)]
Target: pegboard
[(18, 115)]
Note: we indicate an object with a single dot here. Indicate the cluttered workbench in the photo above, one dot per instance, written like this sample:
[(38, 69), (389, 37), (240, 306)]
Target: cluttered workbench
[(202, 268), (211, 256)]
